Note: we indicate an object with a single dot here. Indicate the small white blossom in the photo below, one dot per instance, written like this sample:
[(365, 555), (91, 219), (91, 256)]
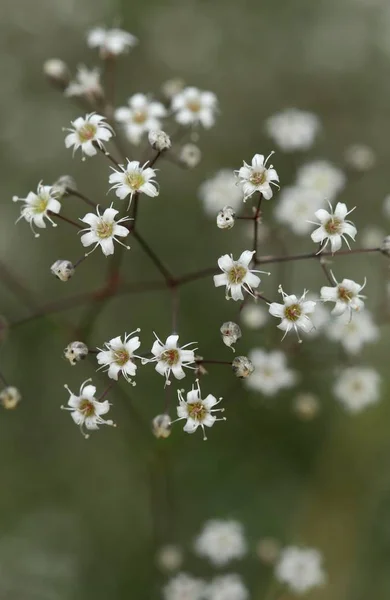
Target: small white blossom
[(221, 542), (386, 206), (293, 313), (227, 587), (76, 351), (353, 333), (119, 356), (38, 206), (323, 177), (254, 316), (344, 295), (161, 426), (242, 367), (193, 106), (190, 155), (271, 373), (140, 116), (197, 411), (293, 129), (296, 207), (372, 236), (103, 230), (159, 140), (300, 568), (257, 177), (87, 133), (333, 227), (56, 70), (184, 587), (226, 218), (10, 397), (87, 83), (110, 42), (86, 410), (171, 358), (360, 157), (62, 269), (236, 275), (219, 191), (357, 387), (134, 179)]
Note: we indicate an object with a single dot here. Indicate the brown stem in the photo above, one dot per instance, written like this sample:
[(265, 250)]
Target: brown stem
[(78, 194), (202, 361), (277, 259), (154, 258), (196, 275), (62, 218)]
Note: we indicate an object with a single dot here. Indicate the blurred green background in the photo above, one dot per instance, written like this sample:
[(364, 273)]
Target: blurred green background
[(84, 519)]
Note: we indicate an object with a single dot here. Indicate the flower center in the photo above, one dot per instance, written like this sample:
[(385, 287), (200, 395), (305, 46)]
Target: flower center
[(87, 132), (135, 180), (258, 177), (171, 357), (344, 294), (86, 407), (104, 230), (121, 357), (140, 116), (194, 106), (333, 226), (197, 411), (237, 274), (293, 312), (40, 205)]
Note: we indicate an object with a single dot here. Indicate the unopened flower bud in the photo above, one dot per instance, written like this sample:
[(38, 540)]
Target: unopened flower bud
[(306, 406), (230, 333), (56, 70), (268, 550), (385, 246), (75, 352), (63, 184), (159, 140), (62, 269), (242, 367), (199, 369), (360, 157), (171, 87), (169, 558), (226, 218), (190, 155), (10, 397), (161, 426)]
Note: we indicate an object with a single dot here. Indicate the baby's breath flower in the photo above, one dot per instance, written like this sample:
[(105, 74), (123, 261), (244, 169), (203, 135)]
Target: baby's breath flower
[(293, 129), (300, 569), (360, 157), (171, 358), (10, 397), (38, 206), (220, 192), (258, 177), (190, 155), (293, 312), (345, 295), (62, 269), (230, 333), (64, 184), (221, 542), (110, 42), (76, 351), (85, 410), (353, 333), (119, 356), (323, 177), (161, 426), (57, 72), (333, 227), (87, 83), (184, 587), (134, 179), (87, 133), (226, 218), (357, 387), (193, 106), (271, 373), (227, 587), (296, 207), (159, 140), (254, 316), (242, 367), (140, 116), (196, 410), (237, 276), (103, 230)]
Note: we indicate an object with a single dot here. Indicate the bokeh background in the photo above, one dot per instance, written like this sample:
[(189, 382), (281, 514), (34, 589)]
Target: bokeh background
[(84, 519)]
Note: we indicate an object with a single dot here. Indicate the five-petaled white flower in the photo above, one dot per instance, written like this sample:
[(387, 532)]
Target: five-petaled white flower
[(221, 541), (258, 177), (196, 410), (140, 116), (344, 295), (271, 373), (111, 42), (171, 358), (134, 179), (236, 275), (119, 356), (293, 129), (300, 568), (192, 106), (87, 83), (293, 313), (353, 333), (87, 133), (323, 177), (38, 206), (357, 387), (333, 227), (104, 230), (85, 410)]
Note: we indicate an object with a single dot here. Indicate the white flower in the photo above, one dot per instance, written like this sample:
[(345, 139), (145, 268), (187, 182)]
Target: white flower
[(300, 568), (134, 179), (119, 356), (386, 206), (221, 542), (38, 206), (140, 116), (196, 410), (293, 129), (344, 295), (254, 316), (258, 177), (357, 387), (296, 207), (184, 587), (192, 106), (227, 587), (57, 71), (190, 155), (171, 357), (353, 333), (360, 157), (372, 237), (219, 191), (85, 410), (293, 313), (87, 133), (104, 230), (333, 227), (271, 373), (323, 177), (87, 83), (236, 275), (111, 42)]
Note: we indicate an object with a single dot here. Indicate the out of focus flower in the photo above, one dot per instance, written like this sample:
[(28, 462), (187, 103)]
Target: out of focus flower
[(293, 313), (159, 140), (103, 230), (227, 587), (85, 410), (184, 587), (371, 237), (192, 107), (323, 177), (296, 207), (360, 157), (271, 372), (306, 406), (140, 116), (76, 351), (10, 397), (56, 70), (62, 269), (87, 83), (134, 179), (221, 542), (300, 569), (197, 411), (119, 356), (254, 316), (110, 42), (226, 218), (190, 155), (236, 275), (161, 426), (293, 129), (87, 133), (171, 358), (357, 387), (257, 177), (64, 184), (172, 87), (344, 295), (219, 191), (353, 333), (242, 367), (333, 227), (37, 207), (169, 557)]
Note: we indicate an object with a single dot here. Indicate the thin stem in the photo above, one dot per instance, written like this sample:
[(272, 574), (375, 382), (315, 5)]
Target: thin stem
[(277, 259), (108, 155), (102, 396), (202, 361), (78, 194), (62, 218), (196, 275), (154, 258), (79, 261)]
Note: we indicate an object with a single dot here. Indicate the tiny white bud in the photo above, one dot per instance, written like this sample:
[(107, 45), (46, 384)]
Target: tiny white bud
[(169, 558), (190, 155), (230, 333), (171, 87), (385, 246), (63, 184), (56, 70), (62, 269), (10, 397), (75, 352), (161, 426), (242, 367), (159, 140), (226, 218)]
